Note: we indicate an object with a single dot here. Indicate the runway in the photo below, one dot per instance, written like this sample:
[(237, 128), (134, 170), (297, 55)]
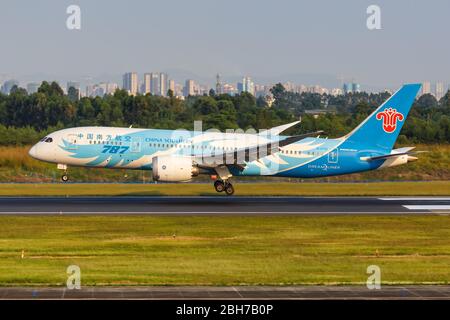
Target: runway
[(423, 292), (221, 205)]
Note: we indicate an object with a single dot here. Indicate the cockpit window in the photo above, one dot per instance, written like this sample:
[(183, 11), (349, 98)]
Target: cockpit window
[(43, 139), (49, 140)]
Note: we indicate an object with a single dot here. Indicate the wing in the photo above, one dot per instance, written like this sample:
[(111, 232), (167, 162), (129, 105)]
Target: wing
[(240, 157)]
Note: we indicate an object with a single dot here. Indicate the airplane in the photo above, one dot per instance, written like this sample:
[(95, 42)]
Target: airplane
[(180, 155)]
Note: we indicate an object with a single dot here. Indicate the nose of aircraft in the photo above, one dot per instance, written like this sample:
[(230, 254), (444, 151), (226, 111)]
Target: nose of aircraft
[(33, 151)]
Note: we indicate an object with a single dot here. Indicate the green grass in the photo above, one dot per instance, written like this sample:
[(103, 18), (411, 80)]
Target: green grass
[(203, 250), (242, 189)]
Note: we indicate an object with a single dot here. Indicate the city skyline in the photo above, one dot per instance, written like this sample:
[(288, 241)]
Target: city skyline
[(158, 83)]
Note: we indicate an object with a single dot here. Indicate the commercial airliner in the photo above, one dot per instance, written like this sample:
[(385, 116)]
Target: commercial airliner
[(180, 155)]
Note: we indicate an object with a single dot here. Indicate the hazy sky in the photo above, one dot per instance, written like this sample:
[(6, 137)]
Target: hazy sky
[(264, 39)]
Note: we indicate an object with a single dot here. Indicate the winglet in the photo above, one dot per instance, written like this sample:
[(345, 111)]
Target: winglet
[(275, 131)]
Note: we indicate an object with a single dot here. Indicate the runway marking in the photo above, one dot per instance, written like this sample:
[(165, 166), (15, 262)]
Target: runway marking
[(237, 291), (412, 292), (417, 199), (427, 207), (237, 197), (205, 212)]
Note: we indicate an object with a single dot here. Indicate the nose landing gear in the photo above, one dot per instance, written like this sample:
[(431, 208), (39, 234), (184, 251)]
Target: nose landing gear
[(64, 177)]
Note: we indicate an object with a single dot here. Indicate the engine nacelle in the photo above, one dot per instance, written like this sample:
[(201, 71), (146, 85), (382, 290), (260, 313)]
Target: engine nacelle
[(173, 169)]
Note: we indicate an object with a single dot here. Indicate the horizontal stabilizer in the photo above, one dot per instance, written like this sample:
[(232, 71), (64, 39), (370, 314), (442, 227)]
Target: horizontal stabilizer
[(402, 150), (386, 156), (395, 153)]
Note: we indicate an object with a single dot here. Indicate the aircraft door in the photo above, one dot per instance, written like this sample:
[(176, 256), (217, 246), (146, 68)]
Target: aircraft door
[(136, 144), (333, 156)]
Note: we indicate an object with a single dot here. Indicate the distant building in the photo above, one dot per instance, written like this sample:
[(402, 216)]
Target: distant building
[(89, 90), (218, 84), (172, 86), (146, 87), (347, 88), (289, 86), (301, 88), (228, 89), (240, 87), (76, 86), (189, 88), (336, 92), (163, 84), (426, 88), (200, 89), (351, 88), (33, 87), (154, 83), (356, 87), (8, 85), (439, 90), (318, 89), (262, 91), (179, 89), (130, 82), (111, 87), (73, 95), (73, 84), (105, 88), (101, 89), (246, 85)]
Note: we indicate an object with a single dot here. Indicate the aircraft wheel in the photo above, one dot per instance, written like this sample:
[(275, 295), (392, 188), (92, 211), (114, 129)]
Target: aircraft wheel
[(65, 178), (229, 189), (219, 186)]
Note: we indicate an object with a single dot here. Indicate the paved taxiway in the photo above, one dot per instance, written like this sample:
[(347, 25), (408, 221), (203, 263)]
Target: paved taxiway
[(223, 205), (236, 292)]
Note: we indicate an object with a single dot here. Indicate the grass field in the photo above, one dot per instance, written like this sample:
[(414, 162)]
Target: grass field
[(152, 250), (242, 189)]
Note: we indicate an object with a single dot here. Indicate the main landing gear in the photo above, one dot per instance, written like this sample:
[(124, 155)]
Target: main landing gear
[(65, 177), (222, 183), (226, 186)]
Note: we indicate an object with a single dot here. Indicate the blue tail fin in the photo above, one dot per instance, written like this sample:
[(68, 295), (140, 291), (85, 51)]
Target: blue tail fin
[(380, 130)]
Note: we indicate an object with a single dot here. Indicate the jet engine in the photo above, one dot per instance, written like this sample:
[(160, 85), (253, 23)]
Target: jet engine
[(173, 168)]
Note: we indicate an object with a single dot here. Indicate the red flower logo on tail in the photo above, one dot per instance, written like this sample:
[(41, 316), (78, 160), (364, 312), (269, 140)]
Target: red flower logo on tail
[(389, 117)]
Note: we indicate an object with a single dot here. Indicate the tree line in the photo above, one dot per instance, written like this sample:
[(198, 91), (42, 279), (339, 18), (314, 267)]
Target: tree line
[(25, 118)]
